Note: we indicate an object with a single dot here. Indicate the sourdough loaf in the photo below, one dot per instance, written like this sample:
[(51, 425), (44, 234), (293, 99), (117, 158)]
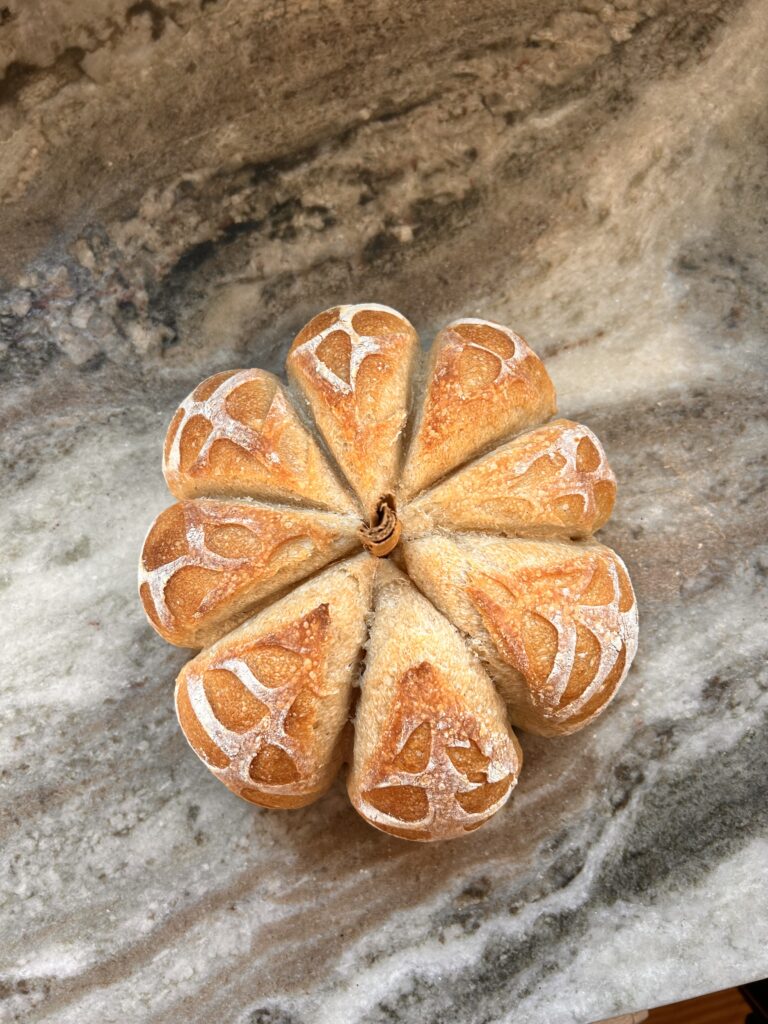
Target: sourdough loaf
[(383, 579)]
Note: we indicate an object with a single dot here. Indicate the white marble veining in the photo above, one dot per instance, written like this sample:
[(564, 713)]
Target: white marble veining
[(614, 213)]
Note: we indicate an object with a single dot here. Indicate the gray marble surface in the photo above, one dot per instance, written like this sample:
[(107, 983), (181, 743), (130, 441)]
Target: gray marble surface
[(183, 183)]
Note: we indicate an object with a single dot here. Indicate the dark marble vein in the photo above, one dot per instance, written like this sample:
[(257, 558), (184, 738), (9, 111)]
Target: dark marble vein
[(185, 184)]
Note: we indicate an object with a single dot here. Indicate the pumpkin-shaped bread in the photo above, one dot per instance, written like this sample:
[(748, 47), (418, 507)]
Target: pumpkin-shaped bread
[(386, 579)]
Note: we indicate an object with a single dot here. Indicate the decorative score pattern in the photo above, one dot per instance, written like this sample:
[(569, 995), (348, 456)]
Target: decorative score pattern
[(206, 562), (238, 434), (554, 481), (484, 384), (478, 355), (569, 629), (209, 403), (448, 772), (250, 713), (338, 343), (188, 535)]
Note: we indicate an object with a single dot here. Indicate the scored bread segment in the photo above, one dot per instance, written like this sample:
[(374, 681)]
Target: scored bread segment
[(554, 623), (483, 384), (238, 435), (551, 482), (205, 564), (354, 364), (267, 707), (434, 755)]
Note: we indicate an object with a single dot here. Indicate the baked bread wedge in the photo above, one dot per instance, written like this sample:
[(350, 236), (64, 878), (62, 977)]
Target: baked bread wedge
[(267, 708), (551, 482), (206, 564), (483, 384), (238, 435), (353, 365), (434, 756), (555, 624)]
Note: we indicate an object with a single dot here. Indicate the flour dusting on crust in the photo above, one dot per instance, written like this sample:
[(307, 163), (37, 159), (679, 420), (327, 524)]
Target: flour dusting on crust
[(457, 796), (361, 345), (306, 638)]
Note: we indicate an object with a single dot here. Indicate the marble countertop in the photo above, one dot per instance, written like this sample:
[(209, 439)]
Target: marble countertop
[(183, 184)]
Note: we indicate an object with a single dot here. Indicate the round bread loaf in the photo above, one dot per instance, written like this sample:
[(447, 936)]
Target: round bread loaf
[(386, 580)]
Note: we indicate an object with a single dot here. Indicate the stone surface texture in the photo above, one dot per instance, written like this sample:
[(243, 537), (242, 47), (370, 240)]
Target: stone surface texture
[(182, 184)]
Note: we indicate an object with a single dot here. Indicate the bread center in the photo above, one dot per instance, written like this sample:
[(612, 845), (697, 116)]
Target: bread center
[(381, 535)]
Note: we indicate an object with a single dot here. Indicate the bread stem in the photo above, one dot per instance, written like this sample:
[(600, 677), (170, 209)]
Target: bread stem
[(380, 537)]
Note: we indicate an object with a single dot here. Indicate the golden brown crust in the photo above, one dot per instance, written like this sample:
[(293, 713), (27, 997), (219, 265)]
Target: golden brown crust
[(434, 756), (551, 482), (205, 564), (483, 385), (266, 708), (353, 365), (555, 623), (238, 435)]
